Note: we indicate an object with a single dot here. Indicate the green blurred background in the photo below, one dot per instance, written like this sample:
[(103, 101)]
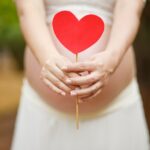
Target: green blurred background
[(11, 66), (10, 35)]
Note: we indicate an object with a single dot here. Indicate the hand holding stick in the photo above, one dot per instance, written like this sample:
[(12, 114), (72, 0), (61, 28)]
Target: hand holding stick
[(68, 28)]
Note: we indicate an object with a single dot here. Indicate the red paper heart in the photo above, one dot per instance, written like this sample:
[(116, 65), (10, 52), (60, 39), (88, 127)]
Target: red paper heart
[(77, 35)]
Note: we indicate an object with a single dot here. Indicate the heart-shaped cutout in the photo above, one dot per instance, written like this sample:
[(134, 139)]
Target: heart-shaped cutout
[(77, 35)]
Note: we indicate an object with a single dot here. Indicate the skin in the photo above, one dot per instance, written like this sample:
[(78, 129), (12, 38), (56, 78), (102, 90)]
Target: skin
[(103, 64), (56, 76)]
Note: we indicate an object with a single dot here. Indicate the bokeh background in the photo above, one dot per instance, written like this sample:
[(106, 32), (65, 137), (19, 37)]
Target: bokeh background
[(11, 67)]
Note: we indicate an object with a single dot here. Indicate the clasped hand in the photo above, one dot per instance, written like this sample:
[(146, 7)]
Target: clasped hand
[(83, 79)]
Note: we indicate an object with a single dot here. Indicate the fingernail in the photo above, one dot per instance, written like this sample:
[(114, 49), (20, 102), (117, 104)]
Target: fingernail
[(73, 93), (68, 81), (63, 93)]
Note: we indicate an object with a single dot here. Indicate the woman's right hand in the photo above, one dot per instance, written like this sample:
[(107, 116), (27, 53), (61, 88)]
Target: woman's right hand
[(53, 76)]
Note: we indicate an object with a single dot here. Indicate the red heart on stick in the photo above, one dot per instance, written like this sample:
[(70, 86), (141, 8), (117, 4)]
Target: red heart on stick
[(77, 35)]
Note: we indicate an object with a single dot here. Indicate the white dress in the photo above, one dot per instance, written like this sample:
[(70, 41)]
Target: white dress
[(121, 126)]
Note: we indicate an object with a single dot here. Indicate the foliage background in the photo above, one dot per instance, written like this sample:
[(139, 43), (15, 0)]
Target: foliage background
[(10, 35)]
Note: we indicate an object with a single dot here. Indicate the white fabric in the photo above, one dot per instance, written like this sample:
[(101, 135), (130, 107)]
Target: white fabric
[(41, 127), (102, 8)]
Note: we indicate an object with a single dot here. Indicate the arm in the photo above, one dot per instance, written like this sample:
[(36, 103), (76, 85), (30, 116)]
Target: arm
[(33, 24), (126, 22)]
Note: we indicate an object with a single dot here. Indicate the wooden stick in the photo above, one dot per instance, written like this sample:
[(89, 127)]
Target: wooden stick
[(77, 104)]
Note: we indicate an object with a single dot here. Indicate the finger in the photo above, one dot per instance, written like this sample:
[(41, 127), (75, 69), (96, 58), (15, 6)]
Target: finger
[(68, 75), (53, 87), (57, 82), (90, 90), (57, 72), (72, 75), (79, 67), (84, 96), (60, 74), (84, 73), (87, 79), (90, 97)]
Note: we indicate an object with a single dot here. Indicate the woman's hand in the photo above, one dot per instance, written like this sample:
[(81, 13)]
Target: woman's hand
[(99, 67), (53, 76), (126, 20)]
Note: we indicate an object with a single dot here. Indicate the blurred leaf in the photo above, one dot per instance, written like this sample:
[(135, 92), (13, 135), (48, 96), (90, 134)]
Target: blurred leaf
[(10, 35)]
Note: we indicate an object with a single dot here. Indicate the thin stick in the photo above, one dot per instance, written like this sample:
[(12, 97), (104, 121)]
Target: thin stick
[(77, 104)]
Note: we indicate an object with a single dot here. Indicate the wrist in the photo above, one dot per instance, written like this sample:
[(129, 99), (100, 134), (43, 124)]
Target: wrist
[(44, 58), (114, 60), (117, 53)]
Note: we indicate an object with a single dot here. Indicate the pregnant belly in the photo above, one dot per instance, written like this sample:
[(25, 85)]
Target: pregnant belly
[(118, 81)]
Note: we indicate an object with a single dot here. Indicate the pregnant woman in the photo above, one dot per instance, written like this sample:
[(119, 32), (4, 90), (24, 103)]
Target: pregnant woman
[(111, 111)]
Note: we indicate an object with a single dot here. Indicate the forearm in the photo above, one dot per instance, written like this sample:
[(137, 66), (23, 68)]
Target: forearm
[(36, 32), (126, 22)]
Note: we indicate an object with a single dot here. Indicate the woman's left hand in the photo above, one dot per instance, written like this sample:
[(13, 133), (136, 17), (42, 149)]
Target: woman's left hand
[(99, 68)]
